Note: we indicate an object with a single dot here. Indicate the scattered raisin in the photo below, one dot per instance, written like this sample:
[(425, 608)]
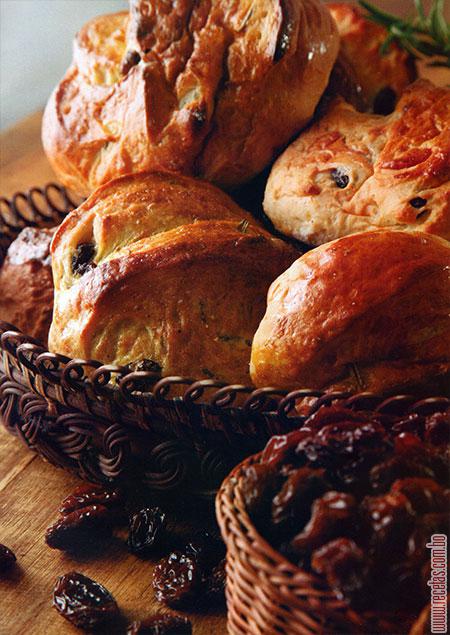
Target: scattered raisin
[(92, 494), (340, 178), (82, 259), (418, 202), (176, 579), (146, 530), (84, 602), (7, 559), (80, 528), (161, 624)]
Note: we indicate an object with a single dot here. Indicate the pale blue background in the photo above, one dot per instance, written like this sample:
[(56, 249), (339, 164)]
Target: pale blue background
[(36, 48)]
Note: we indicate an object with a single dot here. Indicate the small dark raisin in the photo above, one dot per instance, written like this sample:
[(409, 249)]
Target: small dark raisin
[(91, 494), (344, 566), (332, 515), (199, 117), (206, 549), (214, 584), (418, 202), (84, 602), (437, 428), (7, 559), (424, 494), (259, 485), (340, 178), (132, 58), (292, 505), (146, 530), (80, 528), (82, 259), (161, 624), (177, 579), (147, 365), (390, 519), (384, 102), (397, 467)]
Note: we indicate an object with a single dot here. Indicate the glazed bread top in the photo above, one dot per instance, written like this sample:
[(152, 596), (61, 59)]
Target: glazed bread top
[(368, 312), (382, 77), (354, 172), (166, 268), (211, 88)]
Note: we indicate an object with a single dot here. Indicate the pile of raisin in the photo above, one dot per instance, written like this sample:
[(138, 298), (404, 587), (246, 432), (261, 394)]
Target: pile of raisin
[(354, 497), (193, 576)]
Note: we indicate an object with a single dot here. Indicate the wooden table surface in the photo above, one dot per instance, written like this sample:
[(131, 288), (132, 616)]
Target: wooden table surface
[(31, 490)]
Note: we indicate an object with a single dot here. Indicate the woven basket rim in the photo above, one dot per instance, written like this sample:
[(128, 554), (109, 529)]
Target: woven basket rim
[(76, 382)]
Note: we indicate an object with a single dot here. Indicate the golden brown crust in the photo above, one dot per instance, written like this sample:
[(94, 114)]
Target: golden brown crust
[(397, 168), (382, 78), (375, 305), (180, 276), (26, 284), (214, 88)]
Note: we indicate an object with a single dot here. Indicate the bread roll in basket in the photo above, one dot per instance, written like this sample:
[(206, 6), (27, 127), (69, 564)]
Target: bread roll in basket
[(211, 89), (354, 171), (369, 311), (163, 268)]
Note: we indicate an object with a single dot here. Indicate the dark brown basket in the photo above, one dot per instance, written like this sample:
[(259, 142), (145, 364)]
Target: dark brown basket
[(267, 594), (103, 422)]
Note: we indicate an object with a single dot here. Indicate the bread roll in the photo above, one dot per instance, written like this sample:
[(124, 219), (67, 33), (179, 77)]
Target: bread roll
[(382, 77), (369, 311), (353, 172), (26, 284), (165, 268), (210, 89)]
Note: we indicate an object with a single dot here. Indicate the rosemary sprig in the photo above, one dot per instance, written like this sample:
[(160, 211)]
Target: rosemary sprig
[(421, 35)]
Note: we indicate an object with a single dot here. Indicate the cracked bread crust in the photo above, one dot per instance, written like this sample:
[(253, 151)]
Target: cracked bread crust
[(212, 89)]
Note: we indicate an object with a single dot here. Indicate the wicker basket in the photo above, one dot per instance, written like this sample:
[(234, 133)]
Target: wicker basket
[(267, 594), (103, 422)]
